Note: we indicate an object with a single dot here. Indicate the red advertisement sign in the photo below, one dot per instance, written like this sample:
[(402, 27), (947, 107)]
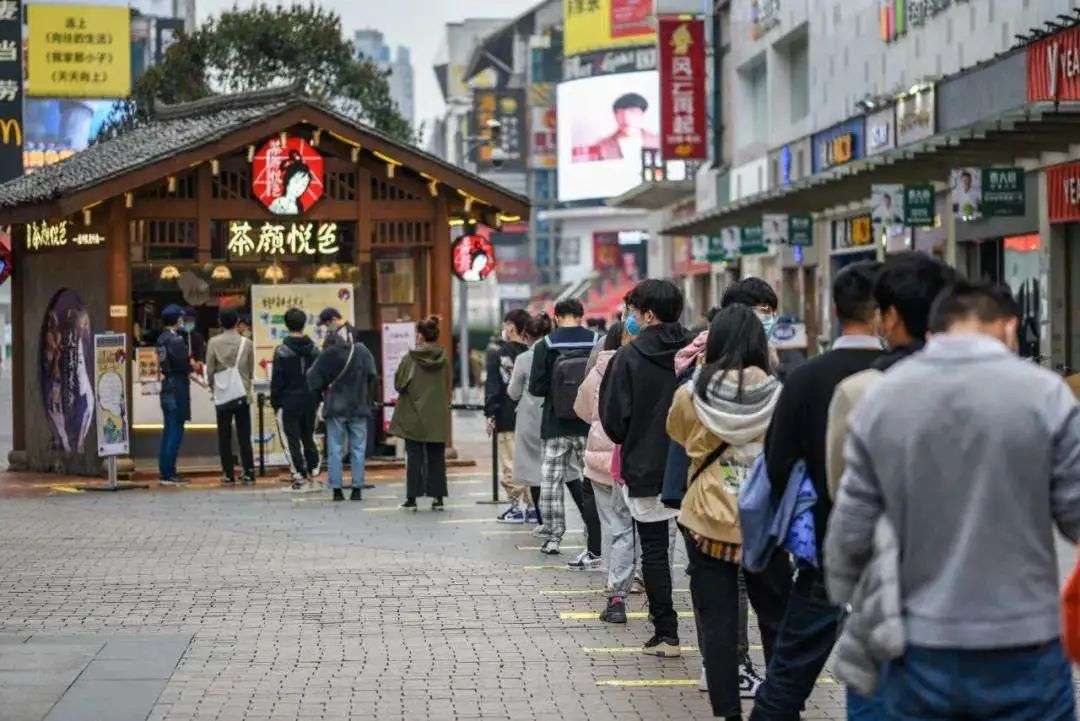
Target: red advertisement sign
[(682, 89), (631, 17), (1053, 67), (473, 257), (287, 177), (1063, 192)]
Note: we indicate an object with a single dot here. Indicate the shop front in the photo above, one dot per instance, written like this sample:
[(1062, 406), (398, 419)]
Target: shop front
[(258, 202)]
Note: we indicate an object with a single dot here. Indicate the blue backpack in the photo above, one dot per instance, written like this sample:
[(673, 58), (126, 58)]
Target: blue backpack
[(766, 529)]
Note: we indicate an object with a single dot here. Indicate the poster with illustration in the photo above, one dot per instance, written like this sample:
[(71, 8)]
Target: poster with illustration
[(110, 373), (269, 304), (65, 353), (397, 340), (287, 175), (965, 193)]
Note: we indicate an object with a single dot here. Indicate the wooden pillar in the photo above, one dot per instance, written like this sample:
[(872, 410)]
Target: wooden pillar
[(118, 268), (442, 299), (203, 180), (19, 371)]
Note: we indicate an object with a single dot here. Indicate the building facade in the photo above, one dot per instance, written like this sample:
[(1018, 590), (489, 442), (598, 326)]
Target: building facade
[(371, 45)]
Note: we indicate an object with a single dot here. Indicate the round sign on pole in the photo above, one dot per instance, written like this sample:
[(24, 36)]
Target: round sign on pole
[(473, 257), (287, 177)]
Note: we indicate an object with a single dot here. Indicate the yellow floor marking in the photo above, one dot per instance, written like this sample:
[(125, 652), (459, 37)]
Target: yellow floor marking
[(66, 489), (424, 507), (525, 532), (592, 591), (629, 649), (537, 548), (469, 520), (595, 615), (545, 568), (642, 682)]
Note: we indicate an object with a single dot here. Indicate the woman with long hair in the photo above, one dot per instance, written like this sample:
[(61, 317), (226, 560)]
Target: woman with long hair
[(422, 415), (530, 409), (720, 417)]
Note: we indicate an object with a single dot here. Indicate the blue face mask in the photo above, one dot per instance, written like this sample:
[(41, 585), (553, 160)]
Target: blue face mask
[(769, 321), (633, 327)]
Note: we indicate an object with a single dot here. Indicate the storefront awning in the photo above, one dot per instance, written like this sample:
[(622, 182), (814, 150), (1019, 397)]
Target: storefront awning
[(654, 195), (1020, 137)]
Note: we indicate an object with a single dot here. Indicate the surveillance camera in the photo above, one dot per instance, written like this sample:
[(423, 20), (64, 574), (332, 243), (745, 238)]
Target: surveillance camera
[(498, 157)]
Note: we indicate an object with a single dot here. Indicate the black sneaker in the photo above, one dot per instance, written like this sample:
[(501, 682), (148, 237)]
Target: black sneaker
[(437, 504), (662, 646), (354, 495), (615, 611), (338, 495), (409, 504), (174, 481)]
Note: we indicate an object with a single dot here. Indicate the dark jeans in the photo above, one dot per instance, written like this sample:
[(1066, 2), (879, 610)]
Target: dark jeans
[(425, 469), (585, 500), (1033, 683), (240, 413), (865, 708), (714, 592), (299, 430), (534, 491), (805, 639), (173, 416), (656, 570)]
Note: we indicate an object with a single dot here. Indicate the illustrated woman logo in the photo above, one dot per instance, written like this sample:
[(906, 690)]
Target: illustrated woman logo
[(296, 177)]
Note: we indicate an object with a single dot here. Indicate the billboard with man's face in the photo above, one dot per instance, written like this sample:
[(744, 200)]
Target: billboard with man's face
[(604, 123)]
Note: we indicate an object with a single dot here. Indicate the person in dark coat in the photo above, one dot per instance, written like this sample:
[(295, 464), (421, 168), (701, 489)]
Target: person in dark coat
[(293, 402), (422, 415), (501, 411), (635, 397), (174, 365)]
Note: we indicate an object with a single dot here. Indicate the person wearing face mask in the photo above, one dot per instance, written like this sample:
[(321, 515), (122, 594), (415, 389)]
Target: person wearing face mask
[(973, 456), (501, 411), (196, 340)]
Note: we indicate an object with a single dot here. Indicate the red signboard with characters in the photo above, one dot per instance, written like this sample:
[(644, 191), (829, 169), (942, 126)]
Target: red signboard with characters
[(1063, 192), (287, 177), (631, 17), (1053, 67), (473, 257), (682, 89)]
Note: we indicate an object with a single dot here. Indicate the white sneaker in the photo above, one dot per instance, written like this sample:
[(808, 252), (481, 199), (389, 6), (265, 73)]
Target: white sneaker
[(550, 548), (585, 561), (703, 684)]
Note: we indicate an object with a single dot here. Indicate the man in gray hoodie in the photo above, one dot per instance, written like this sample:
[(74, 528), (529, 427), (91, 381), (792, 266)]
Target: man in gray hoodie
[(971, 453)]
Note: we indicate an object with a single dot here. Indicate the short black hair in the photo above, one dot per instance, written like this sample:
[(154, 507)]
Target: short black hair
[(963, 299), (570, 306), (295, 320), (630, 100), (910, 282), (711, 313), (662, 297), (539, 326), (613, 339), (228, 318), (519, 318), (853, 292), (751, 291)]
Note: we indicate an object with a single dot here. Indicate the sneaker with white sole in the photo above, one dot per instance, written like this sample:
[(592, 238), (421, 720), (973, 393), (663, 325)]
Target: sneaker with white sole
[(749, 680), (550, 547), (513, 514), (703, 684), (532, 516), (585, 561), (637, 585), (662, 646)]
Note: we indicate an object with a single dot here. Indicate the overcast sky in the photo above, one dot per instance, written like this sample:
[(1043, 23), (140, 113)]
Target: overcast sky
[(418, 24)]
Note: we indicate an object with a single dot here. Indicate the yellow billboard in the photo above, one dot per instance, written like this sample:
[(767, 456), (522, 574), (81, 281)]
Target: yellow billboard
[(78, 51), (591, 25)]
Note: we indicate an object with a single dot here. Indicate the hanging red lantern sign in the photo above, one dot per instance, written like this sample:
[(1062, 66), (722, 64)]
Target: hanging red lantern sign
[(473, 257), (287, 175)]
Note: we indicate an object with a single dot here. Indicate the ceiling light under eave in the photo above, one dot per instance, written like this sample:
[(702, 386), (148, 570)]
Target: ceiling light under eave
[(274, 273), (221, 272), (169, 272), (331, 271)]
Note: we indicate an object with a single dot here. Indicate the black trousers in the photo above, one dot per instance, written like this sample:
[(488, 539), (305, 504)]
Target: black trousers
[(425, 469), (299, 429), (240, 414), (585, 500), (714, 592), (656, 570), (534, 491)]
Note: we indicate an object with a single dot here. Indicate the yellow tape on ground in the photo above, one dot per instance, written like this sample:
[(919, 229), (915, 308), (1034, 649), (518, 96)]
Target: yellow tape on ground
[(525, 532), (643, 682), (537, 548), (545, 568), (592, 591), (629, 649), (65, 489), (447, 507), (595, 615)]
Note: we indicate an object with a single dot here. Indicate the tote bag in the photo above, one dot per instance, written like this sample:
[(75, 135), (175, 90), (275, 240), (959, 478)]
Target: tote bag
[(229, 384)]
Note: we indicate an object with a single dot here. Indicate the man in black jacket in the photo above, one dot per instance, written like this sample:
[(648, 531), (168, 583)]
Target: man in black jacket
[(808, 630), (635, 397), (292, 401), (501, 412), (562, 435)]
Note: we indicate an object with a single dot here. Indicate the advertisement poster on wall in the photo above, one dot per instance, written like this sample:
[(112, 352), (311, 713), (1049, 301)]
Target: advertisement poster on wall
[(543, 126), (682, 87), (965, 193), (397, 340), (508, 108), (269, 304), (66, 352), (887, 210), (774, 227), (79, 51), (110, 382), (57, 128), (601, 24), (604, 125)]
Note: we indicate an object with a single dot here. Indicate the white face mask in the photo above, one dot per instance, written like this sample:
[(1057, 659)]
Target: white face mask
[(769, 321), (505, 336)]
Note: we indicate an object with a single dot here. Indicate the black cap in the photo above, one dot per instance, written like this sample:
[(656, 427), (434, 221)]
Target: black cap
[(329, 314), (172, 314)]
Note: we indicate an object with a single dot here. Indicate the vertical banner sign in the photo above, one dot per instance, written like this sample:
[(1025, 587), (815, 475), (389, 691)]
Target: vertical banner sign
[(397, 340), (111, 383), (919, 205), (800, 230), (508, 108), (1002, 191), (753, 241), (682, 88), (11, 90), (1053, 67)]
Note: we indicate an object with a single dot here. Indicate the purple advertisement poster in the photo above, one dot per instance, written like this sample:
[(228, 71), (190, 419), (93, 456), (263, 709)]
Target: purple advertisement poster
[(65, 370)]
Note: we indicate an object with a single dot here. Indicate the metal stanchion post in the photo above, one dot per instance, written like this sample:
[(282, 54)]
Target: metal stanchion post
[(261, 400), (494, 471)]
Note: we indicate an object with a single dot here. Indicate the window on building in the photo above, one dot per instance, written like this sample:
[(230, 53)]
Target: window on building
[(798, 69), (989, 12), (918, 46), (759, 101)]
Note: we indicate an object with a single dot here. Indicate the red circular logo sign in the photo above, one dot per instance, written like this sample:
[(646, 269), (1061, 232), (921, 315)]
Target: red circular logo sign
[(473, 257), (287, 177)]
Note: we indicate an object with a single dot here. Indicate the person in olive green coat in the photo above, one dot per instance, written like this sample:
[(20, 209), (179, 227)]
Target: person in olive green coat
[(422, 415)]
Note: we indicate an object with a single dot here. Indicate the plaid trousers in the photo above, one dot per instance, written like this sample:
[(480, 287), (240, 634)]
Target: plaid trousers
[(564, 460)]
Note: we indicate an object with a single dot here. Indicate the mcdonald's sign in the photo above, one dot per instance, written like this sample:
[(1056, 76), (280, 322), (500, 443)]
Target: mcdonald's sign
[(11, 132), (11, 90)]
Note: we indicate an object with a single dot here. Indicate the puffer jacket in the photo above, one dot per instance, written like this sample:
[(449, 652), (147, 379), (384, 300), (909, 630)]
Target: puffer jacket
[(710, 507), (873, 632), (598, 447)]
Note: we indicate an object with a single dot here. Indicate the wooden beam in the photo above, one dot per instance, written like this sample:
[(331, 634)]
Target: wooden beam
[(118, 267), (203, 203), (21, 372)]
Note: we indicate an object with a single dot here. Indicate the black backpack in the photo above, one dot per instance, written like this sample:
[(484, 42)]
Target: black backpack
[(567, 374)]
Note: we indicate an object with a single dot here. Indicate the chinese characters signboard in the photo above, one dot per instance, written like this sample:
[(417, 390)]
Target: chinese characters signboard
[(839, 144), (11, 101), (603, 24), (915, 116), (45, 234), (752, 240), (110, 374), (800, 230), (1002, 192), (79, 51), (1063, 192), (919, 205), (764, 16), (287, 175), (508, 108), (281, 239), (1053, 67), (682, 88)]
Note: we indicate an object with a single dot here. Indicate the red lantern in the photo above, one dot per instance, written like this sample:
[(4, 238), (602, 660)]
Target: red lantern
[(287, 177), (473, 257)]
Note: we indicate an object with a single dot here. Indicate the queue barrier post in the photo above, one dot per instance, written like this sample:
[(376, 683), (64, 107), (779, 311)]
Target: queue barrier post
[(261, 400)]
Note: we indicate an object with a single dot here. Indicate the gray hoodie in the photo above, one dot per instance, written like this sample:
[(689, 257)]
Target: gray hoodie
[(971, 453)]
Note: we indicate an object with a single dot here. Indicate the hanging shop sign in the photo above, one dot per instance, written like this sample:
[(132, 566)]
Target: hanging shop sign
[(248, 239), (1063, 192), (45, 234), (919, 205), (839, 144), (1053, 67), (729, 245), (79, 51), (1003, 192), (887, 209), (507, 108), (110, 383), (473, 257), (915, 115), (11, 90), (774, 228), (752, 241), (542, 126), (881, 131), (609, 62), (602, 24), (965, 193), (801, 230), (287, 175), (682, 88)]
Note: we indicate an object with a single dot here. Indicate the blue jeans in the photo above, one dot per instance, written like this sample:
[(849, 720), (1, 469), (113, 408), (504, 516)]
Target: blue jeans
[(865, 708), (340, 431), (174, 415), (1033, 683)]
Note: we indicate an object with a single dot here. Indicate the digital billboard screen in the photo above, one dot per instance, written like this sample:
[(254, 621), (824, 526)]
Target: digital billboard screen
[(603, 125)]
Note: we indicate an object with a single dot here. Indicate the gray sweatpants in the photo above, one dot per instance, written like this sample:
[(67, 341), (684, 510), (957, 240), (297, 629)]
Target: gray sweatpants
[(617, 526)]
